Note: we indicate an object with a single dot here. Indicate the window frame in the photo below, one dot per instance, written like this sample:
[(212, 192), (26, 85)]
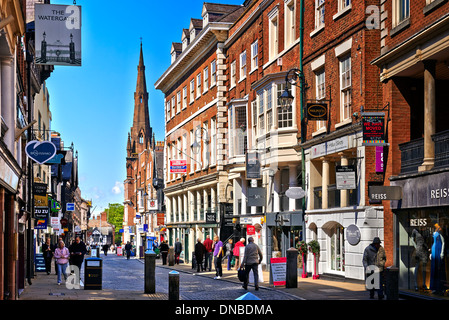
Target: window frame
[(242, 69), (345, 70)]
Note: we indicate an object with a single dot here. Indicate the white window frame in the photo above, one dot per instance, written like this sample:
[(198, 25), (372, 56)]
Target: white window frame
[(319, 14), (401, 11), (192, 91), (173, 106), (254, 55), (261, 112), (233, 74), (198, 85), (273, 31), (320, 80), (213, 141), (213, 73), (289, 22), (184, 97), (284, 117), (242, 75), (168, 106), (205, 144), (345, 87), (178, 102), (205, 79)]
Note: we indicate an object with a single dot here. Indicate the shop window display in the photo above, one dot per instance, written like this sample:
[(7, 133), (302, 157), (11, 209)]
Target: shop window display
[(424, 252)]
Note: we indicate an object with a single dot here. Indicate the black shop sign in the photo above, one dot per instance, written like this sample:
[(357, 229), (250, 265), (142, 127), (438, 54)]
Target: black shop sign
[(316, 111)]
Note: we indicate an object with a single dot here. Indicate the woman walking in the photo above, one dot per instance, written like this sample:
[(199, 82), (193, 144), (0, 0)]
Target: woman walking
[(62, 256)]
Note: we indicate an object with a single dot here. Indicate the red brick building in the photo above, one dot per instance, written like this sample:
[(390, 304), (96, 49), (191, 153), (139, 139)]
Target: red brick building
[(196, 115), (413, 65)]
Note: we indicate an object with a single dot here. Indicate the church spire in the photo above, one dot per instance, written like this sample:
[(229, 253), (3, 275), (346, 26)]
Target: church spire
[(141, 131)]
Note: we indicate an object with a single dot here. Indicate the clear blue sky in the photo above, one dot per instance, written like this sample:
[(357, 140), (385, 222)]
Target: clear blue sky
[(92, 105)]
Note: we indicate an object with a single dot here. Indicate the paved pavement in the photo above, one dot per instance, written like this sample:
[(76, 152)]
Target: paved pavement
[(44, 287)]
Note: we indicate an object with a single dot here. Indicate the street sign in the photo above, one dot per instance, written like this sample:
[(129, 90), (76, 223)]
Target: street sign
[(70, 206)]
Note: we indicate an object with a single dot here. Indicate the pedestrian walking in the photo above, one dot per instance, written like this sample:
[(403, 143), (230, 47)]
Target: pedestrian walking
[(200, 251), (164, 251), (128, 248), (62, 256), (105, 249), (374, 259), (218, 257), (208, 243), (54, 246), (236, 252), (178, 250), (77, 252), (48, 255), (229, 253), (251, 260)]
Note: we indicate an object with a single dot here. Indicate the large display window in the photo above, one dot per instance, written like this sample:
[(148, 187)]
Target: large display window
[(424, 251)]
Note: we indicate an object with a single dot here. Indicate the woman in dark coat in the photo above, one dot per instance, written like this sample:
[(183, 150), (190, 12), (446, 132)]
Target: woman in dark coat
[(48, 255), (200, 251), (164, 251)]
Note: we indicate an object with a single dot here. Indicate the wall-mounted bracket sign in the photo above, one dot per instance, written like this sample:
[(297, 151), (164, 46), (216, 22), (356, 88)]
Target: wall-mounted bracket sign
[(40, 151), (317, 111), (385, 192), (373, 128)]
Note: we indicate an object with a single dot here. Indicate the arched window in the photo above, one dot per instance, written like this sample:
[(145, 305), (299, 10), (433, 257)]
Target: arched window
[(141, 138)]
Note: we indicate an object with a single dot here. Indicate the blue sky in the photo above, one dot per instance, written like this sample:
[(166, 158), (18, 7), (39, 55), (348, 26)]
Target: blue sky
[(92, 105)]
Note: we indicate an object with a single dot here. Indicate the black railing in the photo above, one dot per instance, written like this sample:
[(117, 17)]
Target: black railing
[(441, 141), (412, 155), (412, 152)]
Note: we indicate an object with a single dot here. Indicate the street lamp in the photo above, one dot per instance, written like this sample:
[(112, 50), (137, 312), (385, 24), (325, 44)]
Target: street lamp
[(196, 146), (292, 76)]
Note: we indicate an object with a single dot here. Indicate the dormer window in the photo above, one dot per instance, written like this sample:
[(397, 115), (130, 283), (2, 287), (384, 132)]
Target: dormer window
[(192, 34), (205, 20)]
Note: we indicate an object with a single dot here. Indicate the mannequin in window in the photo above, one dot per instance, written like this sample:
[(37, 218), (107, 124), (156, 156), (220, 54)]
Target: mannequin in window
[(437, 271), (421, 256)]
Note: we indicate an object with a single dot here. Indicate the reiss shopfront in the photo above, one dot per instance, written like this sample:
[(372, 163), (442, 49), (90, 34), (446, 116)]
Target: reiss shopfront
[(423, 233)]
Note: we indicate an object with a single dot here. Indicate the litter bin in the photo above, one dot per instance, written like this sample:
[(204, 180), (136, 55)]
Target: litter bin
[(93, 274)]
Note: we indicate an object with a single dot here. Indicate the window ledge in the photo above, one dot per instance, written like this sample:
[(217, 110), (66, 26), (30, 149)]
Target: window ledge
[(319, 131), (242, 79), (433, 5), (342, 12), (401, 26), (343, 123), (317, 30)]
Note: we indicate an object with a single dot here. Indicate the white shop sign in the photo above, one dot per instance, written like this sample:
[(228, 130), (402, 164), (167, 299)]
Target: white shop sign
[(329, 147)]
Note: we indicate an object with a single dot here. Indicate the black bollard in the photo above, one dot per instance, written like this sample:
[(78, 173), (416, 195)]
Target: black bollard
[(173, 285), (392, 283), (292, 268), (150, 271), (171, 256)]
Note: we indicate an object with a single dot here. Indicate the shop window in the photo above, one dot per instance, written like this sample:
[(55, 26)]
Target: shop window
[(423, 251)]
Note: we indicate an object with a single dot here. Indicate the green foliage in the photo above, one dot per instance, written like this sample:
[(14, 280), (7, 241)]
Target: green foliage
[(302, 247), (314, 246), (115, 214)]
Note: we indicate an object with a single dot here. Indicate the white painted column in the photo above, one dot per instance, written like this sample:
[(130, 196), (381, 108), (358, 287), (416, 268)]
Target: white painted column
[(325, 183), (292, 183), (277, 191)]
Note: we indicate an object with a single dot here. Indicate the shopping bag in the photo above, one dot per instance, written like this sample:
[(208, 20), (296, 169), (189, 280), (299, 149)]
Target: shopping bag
[(241, 273)]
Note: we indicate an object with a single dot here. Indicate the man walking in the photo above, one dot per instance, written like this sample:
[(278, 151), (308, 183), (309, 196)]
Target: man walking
[(251, 260), (374, 259), (128, 248), (208, 256), (218, 257), (77, 252), (178, 250), (199, 254)]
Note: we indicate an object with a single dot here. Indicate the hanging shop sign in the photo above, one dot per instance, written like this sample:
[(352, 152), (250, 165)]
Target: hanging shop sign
[(41, 224), (41, 212), (379, 159), (40, 151), (178, 166), (152, 204), (70, 206), (211, 217), (252, 166), (39, 189), (345, 177), (160, 219), (295, 193), (316, 111), (385, 192), (58, 34), (373, 124), (256, 197)]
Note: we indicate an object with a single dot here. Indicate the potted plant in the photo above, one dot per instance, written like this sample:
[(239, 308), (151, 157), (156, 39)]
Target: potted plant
[(314, 247), (302, 248)]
